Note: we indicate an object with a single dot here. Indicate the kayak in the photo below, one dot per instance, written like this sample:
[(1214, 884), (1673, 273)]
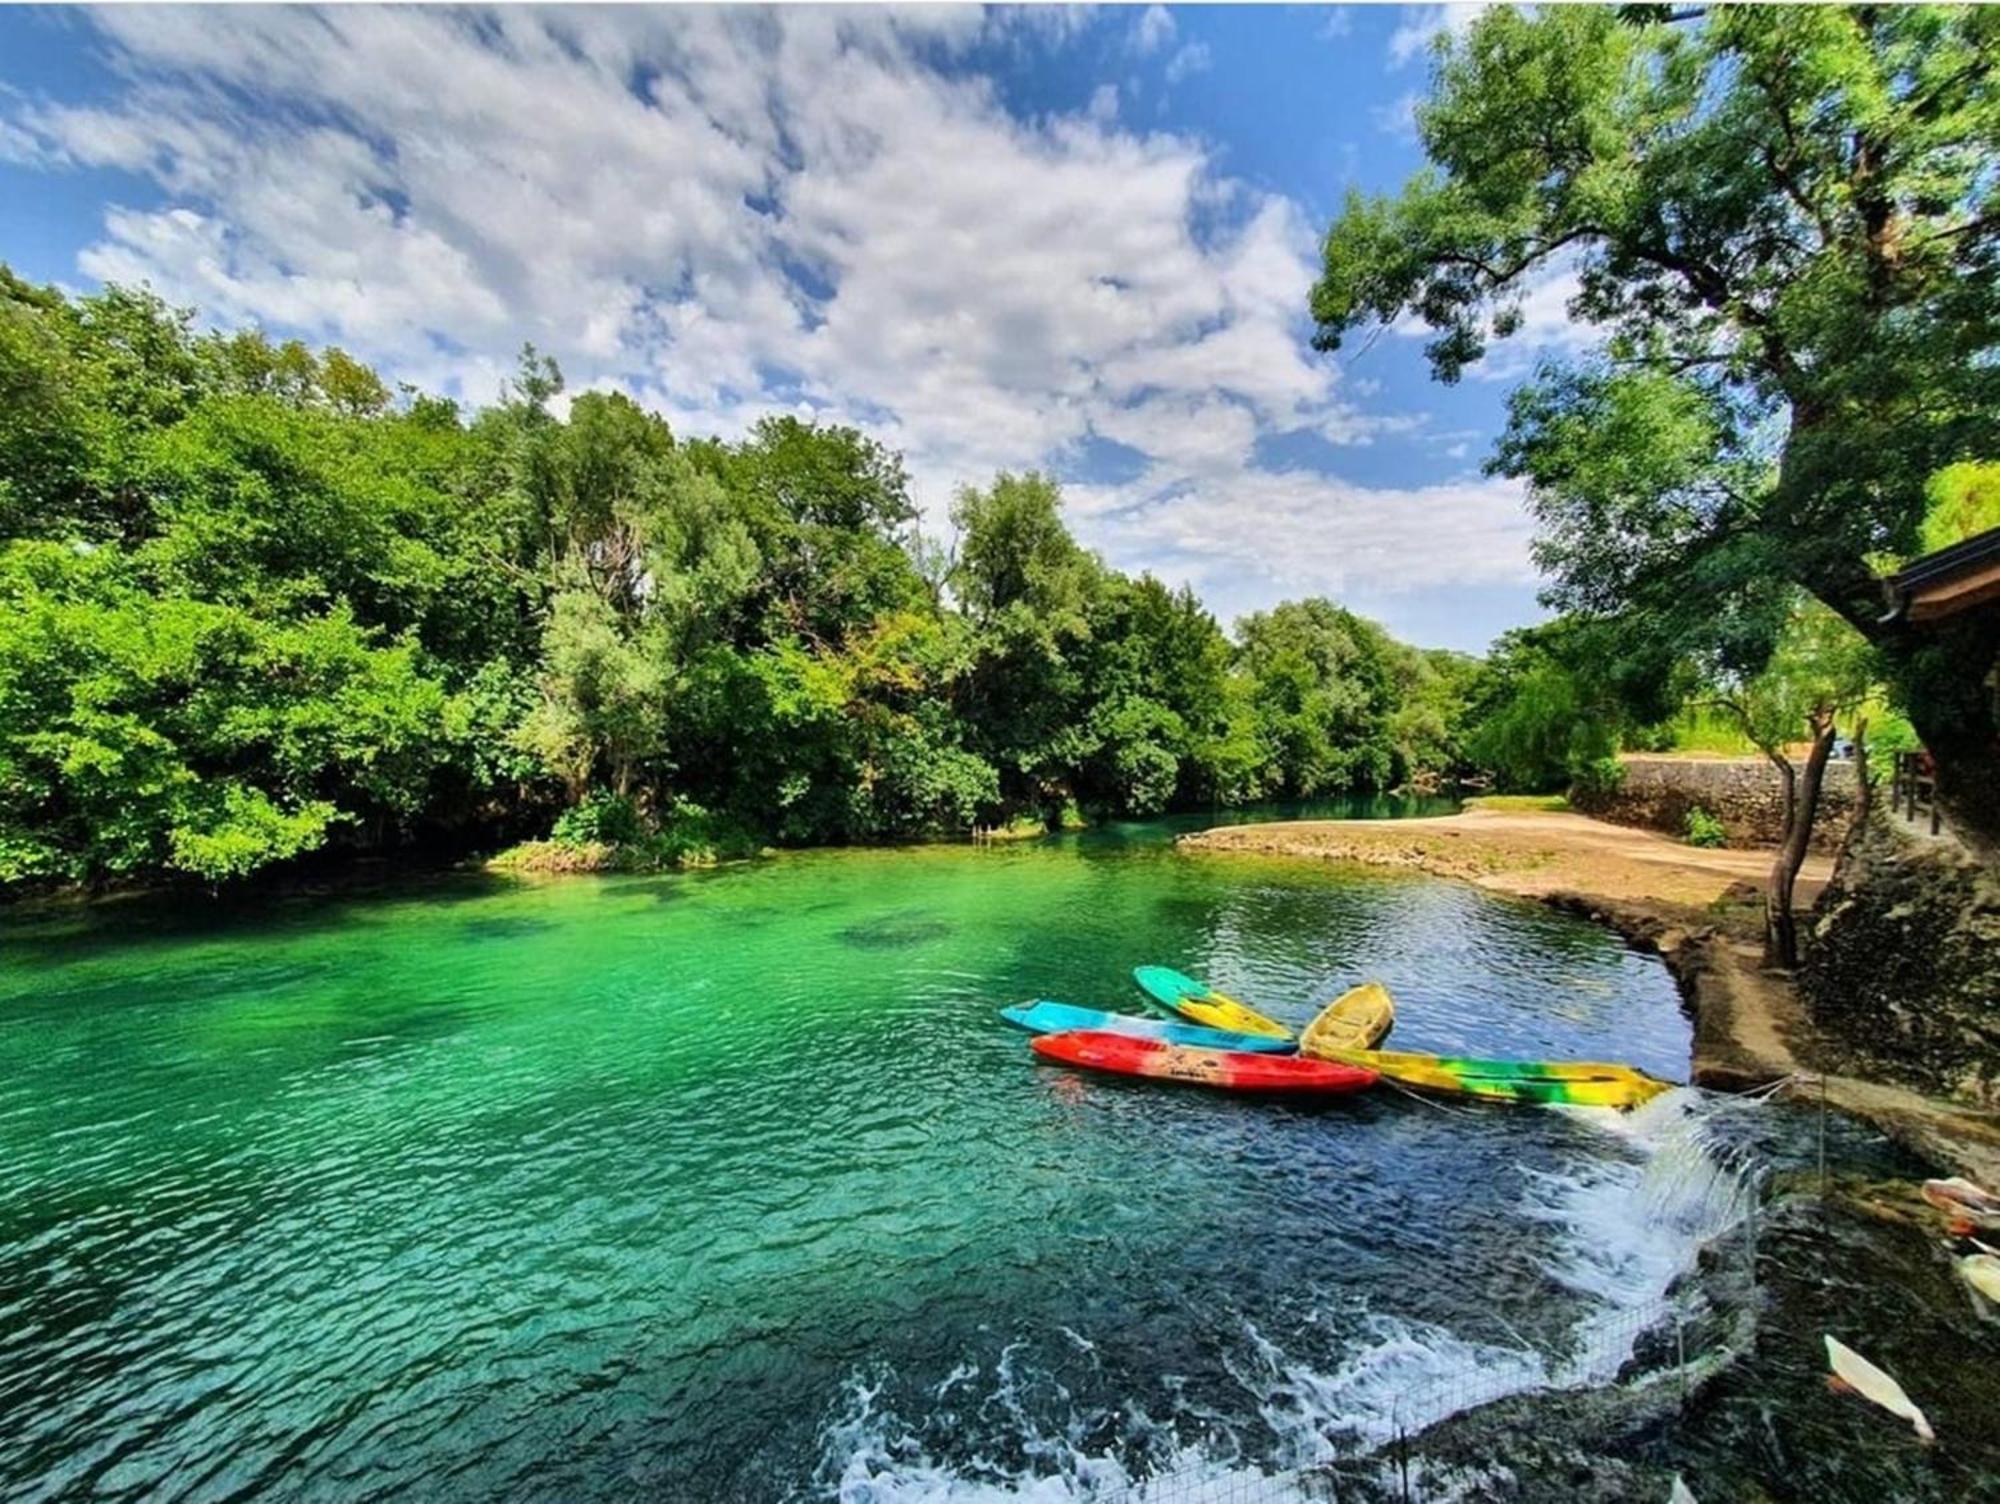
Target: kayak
[(1043, 1017), (1359, 1019), (1235, 1070), (1569, 1083), (1202, 1003)]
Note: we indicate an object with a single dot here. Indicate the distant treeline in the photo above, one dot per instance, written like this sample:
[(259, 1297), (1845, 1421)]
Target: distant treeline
[(254, 603)]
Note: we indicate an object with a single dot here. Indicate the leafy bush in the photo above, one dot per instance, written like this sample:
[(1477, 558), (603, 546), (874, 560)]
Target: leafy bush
[(1703, 829), (602, 818), (692, 836), (1600, 776)]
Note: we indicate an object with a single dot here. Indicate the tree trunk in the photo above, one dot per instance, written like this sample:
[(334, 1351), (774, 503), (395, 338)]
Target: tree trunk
[(1864, 796), (1775, 931), (1781, 938)]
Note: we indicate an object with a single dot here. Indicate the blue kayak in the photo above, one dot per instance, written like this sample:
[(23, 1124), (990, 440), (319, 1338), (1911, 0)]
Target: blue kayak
[(1059, 1018)]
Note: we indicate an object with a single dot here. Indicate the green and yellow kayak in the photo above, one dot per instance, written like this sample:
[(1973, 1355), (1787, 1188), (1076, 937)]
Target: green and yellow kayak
[(1570, 1083), (1202, 1003)]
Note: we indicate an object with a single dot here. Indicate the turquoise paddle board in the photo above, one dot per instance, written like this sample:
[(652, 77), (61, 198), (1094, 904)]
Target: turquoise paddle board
[(1059, 1018)]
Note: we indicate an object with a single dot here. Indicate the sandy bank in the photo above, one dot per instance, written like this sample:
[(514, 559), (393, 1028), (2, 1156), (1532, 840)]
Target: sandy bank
[(1700, 909), (1533, 853)]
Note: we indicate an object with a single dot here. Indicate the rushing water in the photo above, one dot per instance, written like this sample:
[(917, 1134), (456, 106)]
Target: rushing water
[(732, 1185)]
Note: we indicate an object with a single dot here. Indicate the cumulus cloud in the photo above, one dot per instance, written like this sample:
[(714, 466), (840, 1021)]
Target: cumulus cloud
[(1398, 118), (1423, 24), (1192, 59), (1153, 30), (731, 213), (1250, 538)]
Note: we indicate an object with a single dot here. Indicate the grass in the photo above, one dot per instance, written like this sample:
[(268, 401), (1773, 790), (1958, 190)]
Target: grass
[(1020, 828), (1702, 728), (657, 853), (1553, 804)]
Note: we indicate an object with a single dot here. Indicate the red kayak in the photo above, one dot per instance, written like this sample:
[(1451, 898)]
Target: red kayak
[(1235, 1070)]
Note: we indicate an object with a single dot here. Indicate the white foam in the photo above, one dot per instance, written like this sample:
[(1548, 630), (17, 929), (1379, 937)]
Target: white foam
[(879, 1459), (1625, 1230)]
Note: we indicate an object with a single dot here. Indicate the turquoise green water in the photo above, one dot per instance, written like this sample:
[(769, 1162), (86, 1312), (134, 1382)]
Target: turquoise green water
[(732, 1186)]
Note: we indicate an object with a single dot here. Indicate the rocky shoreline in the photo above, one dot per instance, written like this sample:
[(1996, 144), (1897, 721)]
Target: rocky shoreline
[(1850, 1250)]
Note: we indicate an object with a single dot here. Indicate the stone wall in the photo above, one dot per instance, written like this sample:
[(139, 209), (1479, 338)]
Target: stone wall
[(1902, 963), (1744, 793)]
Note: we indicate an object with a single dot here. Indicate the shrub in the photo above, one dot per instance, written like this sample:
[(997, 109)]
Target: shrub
[(599, 819), (1600, 775), (691, 836), (1703, 829)]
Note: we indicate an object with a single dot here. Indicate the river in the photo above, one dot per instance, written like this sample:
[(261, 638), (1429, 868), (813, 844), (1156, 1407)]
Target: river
[(731, 1184)]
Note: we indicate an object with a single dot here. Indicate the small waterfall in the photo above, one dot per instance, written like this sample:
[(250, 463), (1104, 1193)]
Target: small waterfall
[(1628, 1227)]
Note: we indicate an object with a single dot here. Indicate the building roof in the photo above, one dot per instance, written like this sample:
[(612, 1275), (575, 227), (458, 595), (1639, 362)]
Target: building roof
[(1949, 581)]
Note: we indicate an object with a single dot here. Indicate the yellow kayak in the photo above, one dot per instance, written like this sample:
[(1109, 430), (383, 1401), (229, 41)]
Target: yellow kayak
[(1573, 1083), (1203, 1004), (1359, 1019)]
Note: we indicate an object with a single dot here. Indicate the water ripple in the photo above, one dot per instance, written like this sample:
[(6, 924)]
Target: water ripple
[(560, 1190)]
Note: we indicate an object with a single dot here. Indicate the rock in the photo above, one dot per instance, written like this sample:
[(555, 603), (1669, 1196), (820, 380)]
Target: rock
[(1903, 968), (1744, 793)]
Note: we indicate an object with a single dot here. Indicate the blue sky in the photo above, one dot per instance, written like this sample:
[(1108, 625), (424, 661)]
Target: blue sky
[(1073, 239)]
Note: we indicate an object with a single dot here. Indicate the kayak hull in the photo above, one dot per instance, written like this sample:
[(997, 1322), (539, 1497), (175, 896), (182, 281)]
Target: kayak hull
[(1230, 1070), (1203, 1004), (1045, 1017), (1570, 1083), (1359, 1019)]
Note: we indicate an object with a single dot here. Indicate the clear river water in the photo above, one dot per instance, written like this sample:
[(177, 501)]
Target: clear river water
[(731, 1185)]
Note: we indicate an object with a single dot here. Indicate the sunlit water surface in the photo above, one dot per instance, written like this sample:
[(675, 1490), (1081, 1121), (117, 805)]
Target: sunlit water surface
[(732, 1185)]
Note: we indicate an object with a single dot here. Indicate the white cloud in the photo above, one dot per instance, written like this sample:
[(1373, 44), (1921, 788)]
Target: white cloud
[(1422, 24), (730, 213), (1153, 30), (1338, 23), (1192, 59), (1399, 117), (1247, 539)]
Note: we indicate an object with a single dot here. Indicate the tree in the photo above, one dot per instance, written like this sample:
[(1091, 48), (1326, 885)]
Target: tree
[(1820, 670), (1014, 550), (1552, 702), (1963, 501), (142, 732), (1027, 587), (602, 689), (830, 511), (253, 606), (1786, 223), (1324, 691)]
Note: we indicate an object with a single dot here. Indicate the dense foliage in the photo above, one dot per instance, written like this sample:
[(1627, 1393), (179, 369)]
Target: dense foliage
[(254, 604), (1786, 221)]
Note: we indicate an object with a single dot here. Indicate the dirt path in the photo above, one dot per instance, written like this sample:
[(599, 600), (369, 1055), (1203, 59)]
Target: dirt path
[(1532, 853)]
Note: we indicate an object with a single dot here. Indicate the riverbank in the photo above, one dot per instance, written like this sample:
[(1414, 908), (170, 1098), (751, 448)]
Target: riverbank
[(1699, 908), (1848, 1252)]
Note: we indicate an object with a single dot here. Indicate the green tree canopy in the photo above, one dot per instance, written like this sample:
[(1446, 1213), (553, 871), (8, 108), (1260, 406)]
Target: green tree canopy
[(1786, 222), (254, 605)]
